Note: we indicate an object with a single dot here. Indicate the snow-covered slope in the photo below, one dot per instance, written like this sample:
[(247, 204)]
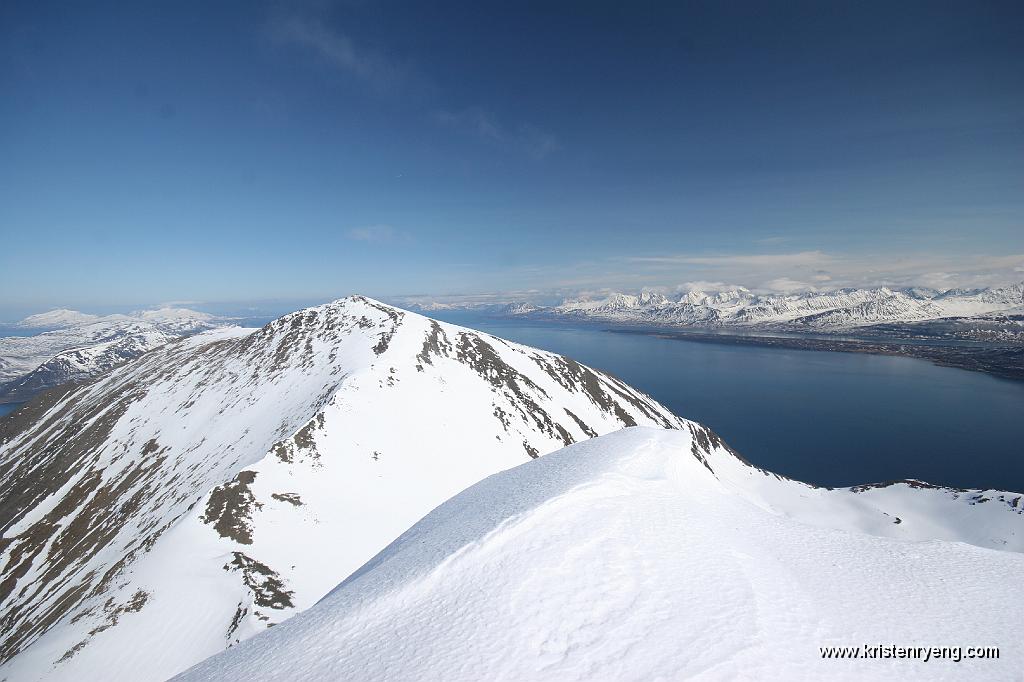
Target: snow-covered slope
[(79, 346), (221, 483), (841, 309), (651, 554)]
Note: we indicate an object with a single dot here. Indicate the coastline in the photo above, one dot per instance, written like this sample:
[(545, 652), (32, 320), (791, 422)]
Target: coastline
[(1002, 361)]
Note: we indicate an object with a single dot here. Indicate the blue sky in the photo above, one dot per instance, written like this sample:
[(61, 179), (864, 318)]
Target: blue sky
[(303, 151)]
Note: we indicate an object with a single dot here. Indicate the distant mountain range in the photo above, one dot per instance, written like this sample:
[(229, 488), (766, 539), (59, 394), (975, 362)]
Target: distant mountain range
[(66, 345), (842, 309), (183, 503), (975, 329), (59, 346)]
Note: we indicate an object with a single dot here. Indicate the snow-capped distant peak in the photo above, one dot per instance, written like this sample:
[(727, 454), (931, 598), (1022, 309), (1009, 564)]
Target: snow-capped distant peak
[(652, 298), (520, 308), (694, 297), (168, 313), (836, 309), (55, 319), (63, 318)]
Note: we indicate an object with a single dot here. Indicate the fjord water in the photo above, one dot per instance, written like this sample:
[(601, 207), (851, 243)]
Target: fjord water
[(832, 419), (7, 408)]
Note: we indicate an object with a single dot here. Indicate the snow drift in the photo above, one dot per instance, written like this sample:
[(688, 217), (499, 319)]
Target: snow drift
[(645, 555)]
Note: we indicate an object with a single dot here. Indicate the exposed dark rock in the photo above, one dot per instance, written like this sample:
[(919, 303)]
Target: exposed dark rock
[(302, 444), (236, 620), (266, 585), (229, 509), (579, 422), (436, 343)]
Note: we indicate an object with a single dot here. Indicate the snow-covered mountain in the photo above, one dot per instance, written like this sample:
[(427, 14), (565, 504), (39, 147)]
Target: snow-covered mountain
[(840, 309), (56, 319), (520, 309), (223, 482), (654, 554), (179, 320), (78, 346)]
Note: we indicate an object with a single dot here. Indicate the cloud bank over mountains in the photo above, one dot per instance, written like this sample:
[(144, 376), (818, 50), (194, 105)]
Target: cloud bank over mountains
[(761, 273)]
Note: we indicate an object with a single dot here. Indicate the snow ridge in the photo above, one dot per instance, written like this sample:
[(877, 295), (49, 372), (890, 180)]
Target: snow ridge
[(629, 557), (221, 483)]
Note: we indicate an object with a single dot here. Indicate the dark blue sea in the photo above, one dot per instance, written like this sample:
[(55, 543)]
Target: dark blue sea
[(827, 418)]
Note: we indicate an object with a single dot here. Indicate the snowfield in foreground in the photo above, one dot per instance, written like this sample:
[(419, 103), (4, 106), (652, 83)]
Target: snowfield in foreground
[(633, 556)]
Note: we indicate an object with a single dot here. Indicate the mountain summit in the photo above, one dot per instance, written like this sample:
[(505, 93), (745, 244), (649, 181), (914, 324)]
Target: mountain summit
[(223, 482)]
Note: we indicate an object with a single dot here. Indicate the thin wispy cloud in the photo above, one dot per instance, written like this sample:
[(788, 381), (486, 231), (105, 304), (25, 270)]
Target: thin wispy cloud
[(178, 304), (341, 52), (758, 260), (474, 121), (784, 273), (786, 285), (388, 74), (817, 270), (378, 234)]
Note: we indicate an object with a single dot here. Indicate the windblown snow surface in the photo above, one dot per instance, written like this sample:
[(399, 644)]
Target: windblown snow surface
[(645, 555)]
